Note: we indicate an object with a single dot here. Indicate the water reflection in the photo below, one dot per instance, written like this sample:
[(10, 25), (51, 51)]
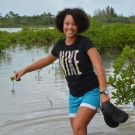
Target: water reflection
[(38, 77), (13, 92), (38, 104)]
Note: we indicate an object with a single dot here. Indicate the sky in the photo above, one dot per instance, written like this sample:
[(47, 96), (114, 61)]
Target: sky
[(38, 7)]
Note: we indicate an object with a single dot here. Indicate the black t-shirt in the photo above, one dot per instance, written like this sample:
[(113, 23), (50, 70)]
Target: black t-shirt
[(77, 65)]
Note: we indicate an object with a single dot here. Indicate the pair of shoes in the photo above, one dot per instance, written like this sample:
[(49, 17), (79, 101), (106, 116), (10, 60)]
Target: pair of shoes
[(108, 120), (112, 115)]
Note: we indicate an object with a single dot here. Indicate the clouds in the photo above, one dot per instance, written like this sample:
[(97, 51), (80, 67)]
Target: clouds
[(37, 7)]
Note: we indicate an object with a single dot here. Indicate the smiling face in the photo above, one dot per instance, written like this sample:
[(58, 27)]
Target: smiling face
[(69, 27)]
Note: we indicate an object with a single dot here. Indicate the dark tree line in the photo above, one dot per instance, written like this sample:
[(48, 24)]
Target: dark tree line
[(14, 20), (107, 15)]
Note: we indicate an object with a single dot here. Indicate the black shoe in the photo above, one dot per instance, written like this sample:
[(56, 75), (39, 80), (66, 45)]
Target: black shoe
[(108, 120), (116, 114)]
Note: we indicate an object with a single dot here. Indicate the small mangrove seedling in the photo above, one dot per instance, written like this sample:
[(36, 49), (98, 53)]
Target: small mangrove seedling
[(9, 59), (50, 101), (46, 48), (12, 79), (53, 65), (39, 74)]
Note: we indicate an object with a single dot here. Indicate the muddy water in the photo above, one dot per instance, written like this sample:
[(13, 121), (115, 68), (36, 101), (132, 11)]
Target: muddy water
[(38, 104)]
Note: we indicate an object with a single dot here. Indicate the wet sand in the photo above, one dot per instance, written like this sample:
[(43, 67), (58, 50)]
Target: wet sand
[(54, 121)]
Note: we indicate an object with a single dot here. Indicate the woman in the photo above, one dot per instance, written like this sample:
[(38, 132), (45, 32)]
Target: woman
[(77, 57)]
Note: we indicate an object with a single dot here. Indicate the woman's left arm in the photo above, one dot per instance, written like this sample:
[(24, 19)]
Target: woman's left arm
[(97, 63)]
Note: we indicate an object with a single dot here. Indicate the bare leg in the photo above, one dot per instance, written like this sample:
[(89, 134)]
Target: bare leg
[(71, 121), (81, 120)]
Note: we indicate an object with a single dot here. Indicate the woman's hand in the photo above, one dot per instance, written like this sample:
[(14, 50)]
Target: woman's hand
[(18, 74), (104, 98)]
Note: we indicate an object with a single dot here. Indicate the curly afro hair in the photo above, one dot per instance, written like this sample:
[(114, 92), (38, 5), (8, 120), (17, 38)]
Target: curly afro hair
[(79, 15)]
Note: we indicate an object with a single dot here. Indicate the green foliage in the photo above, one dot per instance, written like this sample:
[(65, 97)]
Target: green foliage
[(123, 80), (29, 37), (111, 37), (41, 36), (5, 41)]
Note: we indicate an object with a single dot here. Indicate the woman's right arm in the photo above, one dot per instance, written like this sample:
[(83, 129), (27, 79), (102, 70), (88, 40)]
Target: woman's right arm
[(35, 66)]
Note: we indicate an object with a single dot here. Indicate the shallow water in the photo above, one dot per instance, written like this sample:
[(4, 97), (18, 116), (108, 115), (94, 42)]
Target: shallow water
[(38, 104), (18, 29), (11, 29)]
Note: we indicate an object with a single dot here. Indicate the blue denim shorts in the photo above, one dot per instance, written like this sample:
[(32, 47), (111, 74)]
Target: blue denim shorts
[(91, 100)]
